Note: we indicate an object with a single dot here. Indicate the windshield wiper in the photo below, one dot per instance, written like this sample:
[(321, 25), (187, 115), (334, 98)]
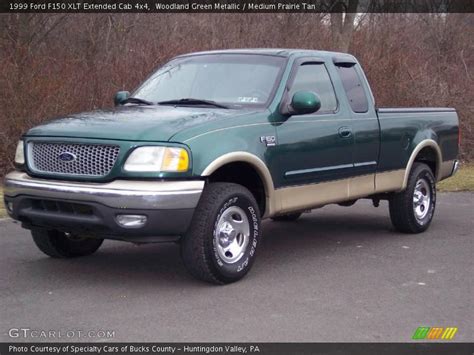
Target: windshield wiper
[(190, 101), (136, 100)]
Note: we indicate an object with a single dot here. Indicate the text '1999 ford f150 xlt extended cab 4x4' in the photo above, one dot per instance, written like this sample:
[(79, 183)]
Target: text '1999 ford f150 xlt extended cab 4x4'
[(214, 142)]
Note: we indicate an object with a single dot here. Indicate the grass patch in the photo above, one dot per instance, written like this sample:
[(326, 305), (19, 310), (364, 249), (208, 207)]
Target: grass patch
[(3, 213), (462, 181)]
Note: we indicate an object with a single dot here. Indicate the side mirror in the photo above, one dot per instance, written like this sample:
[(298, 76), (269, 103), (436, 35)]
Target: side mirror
[(120, 97), (304, 102)]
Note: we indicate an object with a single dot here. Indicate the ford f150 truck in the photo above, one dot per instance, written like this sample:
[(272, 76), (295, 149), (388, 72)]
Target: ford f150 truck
[(214, 142)]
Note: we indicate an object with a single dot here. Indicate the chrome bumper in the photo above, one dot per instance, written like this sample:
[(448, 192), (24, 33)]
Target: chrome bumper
[(116, 194)]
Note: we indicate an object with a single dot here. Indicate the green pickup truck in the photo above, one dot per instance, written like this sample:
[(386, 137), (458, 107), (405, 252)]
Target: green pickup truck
[(214, 142)]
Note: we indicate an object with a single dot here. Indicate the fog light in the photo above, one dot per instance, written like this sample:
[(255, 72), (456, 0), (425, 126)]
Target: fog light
[(9, 206), (131, 220)]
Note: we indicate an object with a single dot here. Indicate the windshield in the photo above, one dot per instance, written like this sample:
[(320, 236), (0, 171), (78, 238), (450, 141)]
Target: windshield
[(233, 80)]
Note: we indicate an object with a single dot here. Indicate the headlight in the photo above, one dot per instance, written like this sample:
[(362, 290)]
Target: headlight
[(20, 153), (167, 159)]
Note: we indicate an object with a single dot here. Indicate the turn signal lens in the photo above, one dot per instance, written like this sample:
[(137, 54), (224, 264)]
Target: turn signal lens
[(20, 154), (175, 159)]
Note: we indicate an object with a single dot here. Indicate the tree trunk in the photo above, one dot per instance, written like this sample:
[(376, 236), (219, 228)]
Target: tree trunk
[(342, 24)]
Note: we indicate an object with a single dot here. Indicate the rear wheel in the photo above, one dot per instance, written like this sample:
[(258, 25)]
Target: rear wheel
[(412, 210), (64, 245), (220, 245), (290, 217)]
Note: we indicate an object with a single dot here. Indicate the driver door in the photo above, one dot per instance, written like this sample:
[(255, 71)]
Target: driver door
[(314, 150)]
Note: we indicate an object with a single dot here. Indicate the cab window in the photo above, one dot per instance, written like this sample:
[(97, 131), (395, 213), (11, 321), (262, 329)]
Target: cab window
[(315, 77), (353, 88)]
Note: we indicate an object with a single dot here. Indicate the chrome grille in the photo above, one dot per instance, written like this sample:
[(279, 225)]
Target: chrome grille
[(85, 159)]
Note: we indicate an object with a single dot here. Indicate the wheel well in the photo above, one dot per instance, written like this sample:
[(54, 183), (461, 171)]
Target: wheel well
[(429, 157), (243, 174)]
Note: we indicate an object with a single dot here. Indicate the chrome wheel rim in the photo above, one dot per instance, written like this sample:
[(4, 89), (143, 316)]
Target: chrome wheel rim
[(421, 199), (232, 234)]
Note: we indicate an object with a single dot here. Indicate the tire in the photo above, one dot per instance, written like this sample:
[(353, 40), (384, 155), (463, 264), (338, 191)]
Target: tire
[(59, 245), (224, 257), (291, 217), (412, 210)]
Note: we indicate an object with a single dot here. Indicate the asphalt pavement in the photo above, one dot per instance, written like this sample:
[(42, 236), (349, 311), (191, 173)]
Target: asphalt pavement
[(337, 274)]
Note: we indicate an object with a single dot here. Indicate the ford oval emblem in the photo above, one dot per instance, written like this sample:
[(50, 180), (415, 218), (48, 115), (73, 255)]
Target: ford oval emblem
[(67, 157)]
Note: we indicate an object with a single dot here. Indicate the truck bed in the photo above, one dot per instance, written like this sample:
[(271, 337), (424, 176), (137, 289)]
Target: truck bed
[(404, 128)]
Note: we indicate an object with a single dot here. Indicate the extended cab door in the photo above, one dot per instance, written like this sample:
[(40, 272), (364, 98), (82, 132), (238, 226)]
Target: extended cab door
[(315, 147), (365, 126)]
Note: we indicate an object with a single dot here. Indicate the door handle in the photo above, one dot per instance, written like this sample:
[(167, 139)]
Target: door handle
[(345, 132)]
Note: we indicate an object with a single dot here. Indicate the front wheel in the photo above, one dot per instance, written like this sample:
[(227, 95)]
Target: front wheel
[(64, 245), (412, 210), (221, 243)]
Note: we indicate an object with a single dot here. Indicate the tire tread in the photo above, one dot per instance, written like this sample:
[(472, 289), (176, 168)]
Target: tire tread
[(401, 204), (195, 242), (51, 243)]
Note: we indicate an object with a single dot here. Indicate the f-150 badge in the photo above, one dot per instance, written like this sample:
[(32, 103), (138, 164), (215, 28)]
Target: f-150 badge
[(269, 141)]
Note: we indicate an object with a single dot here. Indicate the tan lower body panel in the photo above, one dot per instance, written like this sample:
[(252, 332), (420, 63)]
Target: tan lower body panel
[(446, 169), (307, 196), (297, 198), (389, 180)]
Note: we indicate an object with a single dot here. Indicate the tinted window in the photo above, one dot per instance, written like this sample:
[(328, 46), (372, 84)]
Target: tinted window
[(235, 80), (354, 90), (315, 78)]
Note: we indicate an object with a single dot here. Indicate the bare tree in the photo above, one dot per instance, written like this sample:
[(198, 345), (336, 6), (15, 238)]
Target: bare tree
[(342, 18), (53, 65)]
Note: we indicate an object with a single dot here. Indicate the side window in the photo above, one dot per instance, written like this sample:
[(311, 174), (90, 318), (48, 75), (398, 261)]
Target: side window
[(315, 78), (353, 88)]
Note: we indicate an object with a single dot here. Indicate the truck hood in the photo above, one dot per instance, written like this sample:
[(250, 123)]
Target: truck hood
[(132, 123)]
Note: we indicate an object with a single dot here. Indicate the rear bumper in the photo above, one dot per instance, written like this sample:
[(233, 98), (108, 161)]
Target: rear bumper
[(448, 168), (92, 208), (455, 167)]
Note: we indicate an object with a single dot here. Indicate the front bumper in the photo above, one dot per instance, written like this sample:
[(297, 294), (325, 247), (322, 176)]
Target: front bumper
[(93, 207)]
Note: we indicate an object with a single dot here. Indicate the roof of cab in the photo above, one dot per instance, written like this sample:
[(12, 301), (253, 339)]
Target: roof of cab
[(276, 52)]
